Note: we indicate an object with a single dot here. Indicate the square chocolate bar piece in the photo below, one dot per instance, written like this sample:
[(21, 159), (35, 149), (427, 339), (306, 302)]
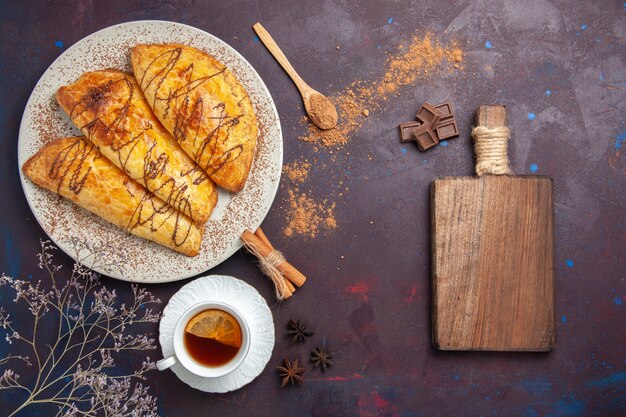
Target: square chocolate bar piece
[(445, 111), (447, 129), (425, 137), (406, 131), (428, 114)]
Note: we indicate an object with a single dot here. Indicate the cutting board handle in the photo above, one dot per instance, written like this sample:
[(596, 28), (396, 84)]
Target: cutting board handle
[(491, 138)]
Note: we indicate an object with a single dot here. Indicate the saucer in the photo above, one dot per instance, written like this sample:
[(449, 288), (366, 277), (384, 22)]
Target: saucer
[(246, 300)]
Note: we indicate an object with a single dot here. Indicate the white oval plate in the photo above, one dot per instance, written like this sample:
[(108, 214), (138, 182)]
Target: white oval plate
[(248, 302), (104, 247)]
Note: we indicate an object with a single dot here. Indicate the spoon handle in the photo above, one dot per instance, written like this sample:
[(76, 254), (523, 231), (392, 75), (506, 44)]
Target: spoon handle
[(269, 43)]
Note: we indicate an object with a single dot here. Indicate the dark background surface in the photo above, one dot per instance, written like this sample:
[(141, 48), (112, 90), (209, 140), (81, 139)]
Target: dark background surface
[(372, 305)]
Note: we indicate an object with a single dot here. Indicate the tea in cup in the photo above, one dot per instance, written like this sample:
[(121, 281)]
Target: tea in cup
[(211, 339)]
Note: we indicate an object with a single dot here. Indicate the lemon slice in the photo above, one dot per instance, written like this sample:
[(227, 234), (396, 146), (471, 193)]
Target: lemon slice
[(217, 325)]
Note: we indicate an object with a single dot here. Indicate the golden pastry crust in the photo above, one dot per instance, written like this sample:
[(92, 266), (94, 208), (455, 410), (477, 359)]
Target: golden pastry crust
[(203, 105), (110, 109), (74, 168)]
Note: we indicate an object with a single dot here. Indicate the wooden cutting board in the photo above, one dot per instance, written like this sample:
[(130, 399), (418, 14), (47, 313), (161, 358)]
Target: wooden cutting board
[(492, 252)]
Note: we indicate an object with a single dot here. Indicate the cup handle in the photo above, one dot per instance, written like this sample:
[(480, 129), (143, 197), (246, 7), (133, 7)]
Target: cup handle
[(165, 363)]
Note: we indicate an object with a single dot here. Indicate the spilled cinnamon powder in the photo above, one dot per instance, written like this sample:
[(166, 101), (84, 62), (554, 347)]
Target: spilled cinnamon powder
[(457, 55), (308, 217), (297, 171), (422, 56)]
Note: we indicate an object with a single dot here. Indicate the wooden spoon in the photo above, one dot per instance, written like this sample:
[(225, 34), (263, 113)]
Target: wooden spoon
[(318, 106)]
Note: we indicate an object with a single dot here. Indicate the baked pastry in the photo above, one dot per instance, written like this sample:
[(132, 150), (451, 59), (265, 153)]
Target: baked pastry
[(203, 105), (110, 109), (74, 168)]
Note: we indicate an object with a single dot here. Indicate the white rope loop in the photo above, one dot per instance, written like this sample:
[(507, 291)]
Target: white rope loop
[(490, 148)]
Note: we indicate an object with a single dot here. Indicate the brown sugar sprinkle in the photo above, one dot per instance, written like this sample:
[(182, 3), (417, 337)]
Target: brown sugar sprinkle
[(422, 56), (308, 217), (297, 171)]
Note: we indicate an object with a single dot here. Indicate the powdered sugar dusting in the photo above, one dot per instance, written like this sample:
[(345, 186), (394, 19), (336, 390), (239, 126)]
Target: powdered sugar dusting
[(141, 260)]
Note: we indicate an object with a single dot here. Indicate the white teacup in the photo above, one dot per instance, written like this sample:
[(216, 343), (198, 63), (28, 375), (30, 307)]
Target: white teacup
[(182, 356)]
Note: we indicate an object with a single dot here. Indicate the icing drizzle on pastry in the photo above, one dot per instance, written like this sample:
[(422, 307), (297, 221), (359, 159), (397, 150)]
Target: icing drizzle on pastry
[(108, 107), (190, 110), (71, 164)]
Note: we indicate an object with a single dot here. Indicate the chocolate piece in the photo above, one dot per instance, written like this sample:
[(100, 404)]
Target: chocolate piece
[(445, 111), (406, 130), (428, 114), (425, 137), (447, 129)]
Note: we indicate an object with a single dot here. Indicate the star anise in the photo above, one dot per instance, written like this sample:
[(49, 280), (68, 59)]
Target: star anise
[(321, 357), (291, 373), (298, 332)]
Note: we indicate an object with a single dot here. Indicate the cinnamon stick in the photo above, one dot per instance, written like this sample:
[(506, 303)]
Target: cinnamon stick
[(288, 271), (261, 250), (261, 235)]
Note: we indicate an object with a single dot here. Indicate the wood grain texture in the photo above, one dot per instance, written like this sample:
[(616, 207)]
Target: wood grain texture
[(493, 286), (278, 54), (491, 116)]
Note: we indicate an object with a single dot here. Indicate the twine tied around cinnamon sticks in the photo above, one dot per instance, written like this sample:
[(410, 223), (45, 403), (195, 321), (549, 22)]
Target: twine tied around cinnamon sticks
[(490, 148), (273, 264)]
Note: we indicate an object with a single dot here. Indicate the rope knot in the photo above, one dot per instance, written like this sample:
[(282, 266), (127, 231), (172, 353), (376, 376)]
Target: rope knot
[(269, 266)]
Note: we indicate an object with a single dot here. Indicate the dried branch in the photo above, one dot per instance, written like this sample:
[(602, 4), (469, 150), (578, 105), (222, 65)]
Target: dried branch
[(72, 369)]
